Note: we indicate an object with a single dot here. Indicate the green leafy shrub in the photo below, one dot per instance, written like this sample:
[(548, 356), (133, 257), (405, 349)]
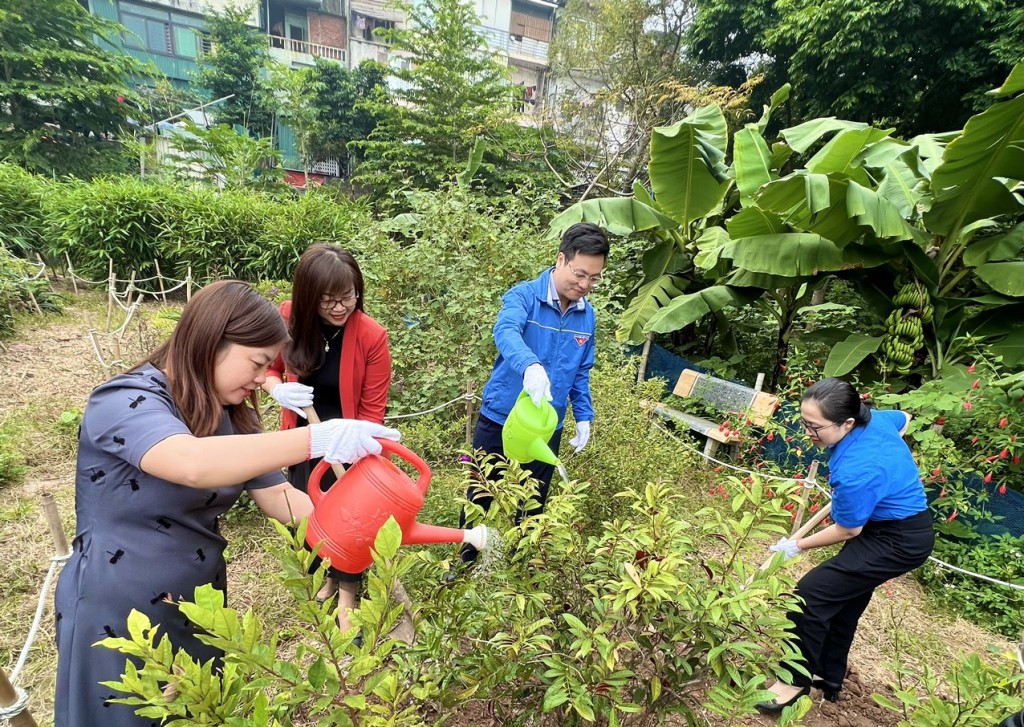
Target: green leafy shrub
[(996, 607), (973, 693), (18, 285), (21, 218), (638, 619), (12, 461)]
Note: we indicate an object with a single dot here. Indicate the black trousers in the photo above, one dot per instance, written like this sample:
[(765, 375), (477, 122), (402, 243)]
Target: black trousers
[(836, 592), (487, 436)]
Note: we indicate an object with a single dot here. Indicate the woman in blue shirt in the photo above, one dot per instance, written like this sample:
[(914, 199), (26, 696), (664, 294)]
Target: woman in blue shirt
[(880, 513)]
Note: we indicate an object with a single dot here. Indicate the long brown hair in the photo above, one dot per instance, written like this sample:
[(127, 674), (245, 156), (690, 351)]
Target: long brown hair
[(222, 313), (323, 270)]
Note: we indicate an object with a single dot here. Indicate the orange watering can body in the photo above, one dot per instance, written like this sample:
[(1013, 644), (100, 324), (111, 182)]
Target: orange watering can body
[(527, 430), (346, 519)]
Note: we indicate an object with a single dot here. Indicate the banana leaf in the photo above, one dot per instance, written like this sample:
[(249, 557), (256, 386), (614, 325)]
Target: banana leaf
[(752, 162), (778, 98), (618, 215), (690, 308), (803, 136), (901, 184), (687, 169), (967, 185), (1013, 84), (651, 298), (797, 254), (848, 355), (996, 249), (841, 154), (1005, 277)]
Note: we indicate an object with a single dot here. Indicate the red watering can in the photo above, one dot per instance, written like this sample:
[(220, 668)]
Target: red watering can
[(346, 518)]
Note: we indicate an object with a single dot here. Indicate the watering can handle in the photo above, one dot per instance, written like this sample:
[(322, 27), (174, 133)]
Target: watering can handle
[(391, 447)]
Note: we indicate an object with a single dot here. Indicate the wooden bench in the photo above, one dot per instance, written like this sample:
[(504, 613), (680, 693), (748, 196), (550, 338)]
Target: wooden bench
[(725, 396)]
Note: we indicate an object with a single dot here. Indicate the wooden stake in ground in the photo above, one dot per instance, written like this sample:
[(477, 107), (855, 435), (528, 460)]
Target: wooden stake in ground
[(71, 272), (160, 279), (8, 698), (60, 538), (111, 292), (644, 358), (469, 413), (805, 491), (188, 284), (404, 630)]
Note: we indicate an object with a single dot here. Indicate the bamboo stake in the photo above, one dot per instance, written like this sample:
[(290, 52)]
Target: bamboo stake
[(805, 491), (35, 303), (8, 698), (469, 413), (71, 272), (160, 279), (111, 291), (60, 538), (188, 284), (644, 358)]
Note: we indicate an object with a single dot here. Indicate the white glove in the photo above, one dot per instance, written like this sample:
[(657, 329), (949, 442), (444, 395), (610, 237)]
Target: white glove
[(347, 440), (537, 384), (787, 546), (582, 436), (293, 396)]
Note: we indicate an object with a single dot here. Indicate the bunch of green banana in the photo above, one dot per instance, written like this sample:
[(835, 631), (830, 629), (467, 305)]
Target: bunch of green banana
[(905, 328), (915, 296)]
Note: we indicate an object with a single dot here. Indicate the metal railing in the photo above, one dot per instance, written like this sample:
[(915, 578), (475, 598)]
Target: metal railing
[(518, 45), (312, 49)]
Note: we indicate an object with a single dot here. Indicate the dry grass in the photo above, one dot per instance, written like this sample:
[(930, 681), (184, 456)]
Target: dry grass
[(51, 367)]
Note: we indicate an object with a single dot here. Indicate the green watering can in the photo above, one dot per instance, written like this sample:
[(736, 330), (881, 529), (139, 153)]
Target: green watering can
[(527, 431)]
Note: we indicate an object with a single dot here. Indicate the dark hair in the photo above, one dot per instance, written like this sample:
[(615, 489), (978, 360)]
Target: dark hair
[(323, 270), (585, 238), (838, 401), (222, 313)]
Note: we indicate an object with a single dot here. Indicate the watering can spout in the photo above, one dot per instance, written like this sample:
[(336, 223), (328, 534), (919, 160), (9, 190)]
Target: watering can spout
[(420, 534)]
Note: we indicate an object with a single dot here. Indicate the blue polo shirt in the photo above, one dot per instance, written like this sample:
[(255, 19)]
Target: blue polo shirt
[(873, 475)]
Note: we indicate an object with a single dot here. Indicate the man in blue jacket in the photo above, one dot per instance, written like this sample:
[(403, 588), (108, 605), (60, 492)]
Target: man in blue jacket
[(545, 339)]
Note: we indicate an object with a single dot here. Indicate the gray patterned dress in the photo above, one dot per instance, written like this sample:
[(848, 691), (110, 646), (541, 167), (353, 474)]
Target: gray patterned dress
[(139, 540)]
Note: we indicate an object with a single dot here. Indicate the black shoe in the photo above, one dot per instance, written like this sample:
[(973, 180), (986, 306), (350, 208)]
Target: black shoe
[(774, 706), (830, 690)]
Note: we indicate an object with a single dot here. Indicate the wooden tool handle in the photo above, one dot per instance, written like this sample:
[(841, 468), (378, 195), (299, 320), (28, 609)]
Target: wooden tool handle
[(806, 528), (312, 418)]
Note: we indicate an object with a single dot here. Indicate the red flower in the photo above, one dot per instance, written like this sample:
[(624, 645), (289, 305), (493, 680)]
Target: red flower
[(940, 421), (1004, 454), (1002, 489), (974, 440), (718, 469), (771, 436), (1016, 459), (120, 99), (814, 507), (988, 478), (937, 471), (968, 405), (943, 493), (1003, 422), (970, 369), (976, 383), (952, 516)]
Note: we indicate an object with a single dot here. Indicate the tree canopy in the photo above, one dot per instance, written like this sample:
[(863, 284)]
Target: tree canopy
[(61, 86), (916, 65)]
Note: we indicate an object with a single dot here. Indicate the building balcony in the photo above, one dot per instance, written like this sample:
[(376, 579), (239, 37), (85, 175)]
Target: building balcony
[(517, 47), (302, 53)]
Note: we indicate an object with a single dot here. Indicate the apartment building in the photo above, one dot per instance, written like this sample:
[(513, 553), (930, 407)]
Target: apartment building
[(172, 34)]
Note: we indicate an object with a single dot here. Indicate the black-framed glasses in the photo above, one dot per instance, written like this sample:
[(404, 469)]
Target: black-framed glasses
[(331, 303), (593, 280), (816, 431)]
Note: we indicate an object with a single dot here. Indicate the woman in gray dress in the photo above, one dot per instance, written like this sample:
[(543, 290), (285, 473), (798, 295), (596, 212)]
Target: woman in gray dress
[(164, 450)]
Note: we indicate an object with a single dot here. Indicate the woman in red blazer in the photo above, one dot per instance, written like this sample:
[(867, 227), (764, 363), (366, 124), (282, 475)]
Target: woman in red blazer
[(337, 361)]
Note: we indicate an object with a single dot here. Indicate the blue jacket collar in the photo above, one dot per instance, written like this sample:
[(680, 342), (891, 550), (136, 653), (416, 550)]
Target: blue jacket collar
[(544, 288)]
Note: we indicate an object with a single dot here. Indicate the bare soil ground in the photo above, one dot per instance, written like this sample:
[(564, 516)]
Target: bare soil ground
[(50, 368)]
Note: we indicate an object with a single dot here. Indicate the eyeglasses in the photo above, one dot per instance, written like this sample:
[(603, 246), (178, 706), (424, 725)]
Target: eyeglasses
[(816, 431), (593, 280), (331, 303)]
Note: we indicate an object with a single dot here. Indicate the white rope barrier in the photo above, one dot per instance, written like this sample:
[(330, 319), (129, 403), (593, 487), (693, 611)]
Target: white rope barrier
[(56, 562), (439, 407), (948, 566), (9, 713)]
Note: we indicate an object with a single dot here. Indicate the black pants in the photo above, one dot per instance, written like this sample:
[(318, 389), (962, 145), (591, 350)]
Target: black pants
[(836, 592), (487, 436)]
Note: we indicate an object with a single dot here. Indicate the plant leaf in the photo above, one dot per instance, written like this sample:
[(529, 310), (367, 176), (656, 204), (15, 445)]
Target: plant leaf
[(690, 308), (618, 215), (848, 354)]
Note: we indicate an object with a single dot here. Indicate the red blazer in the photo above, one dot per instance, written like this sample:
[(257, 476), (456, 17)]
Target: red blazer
[(364, 375)]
